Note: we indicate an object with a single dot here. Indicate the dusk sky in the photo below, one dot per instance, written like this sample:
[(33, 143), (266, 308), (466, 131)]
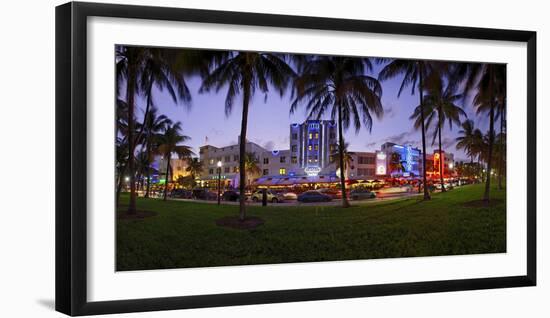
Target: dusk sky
[(269, 120)]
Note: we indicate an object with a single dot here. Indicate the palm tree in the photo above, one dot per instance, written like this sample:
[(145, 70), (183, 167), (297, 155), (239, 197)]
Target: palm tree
[(487, 80), (466, 140), (340, 86), (348, 159), (140, 69), (251, 165), (154, 124), (414, 73), (440, 103), (194, 167), (245, 72), (169, 143)]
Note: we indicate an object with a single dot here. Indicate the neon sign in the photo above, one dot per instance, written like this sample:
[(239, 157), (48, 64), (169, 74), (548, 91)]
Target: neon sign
[(409, 159), (312, 171), (381, 163)]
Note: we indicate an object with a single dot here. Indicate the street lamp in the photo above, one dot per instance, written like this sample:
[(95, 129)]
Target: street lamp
[(219, 180)]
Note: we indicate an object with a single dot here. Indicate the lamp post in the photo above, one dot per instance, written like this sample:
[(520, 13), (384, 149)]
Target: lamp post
[(219, 180)]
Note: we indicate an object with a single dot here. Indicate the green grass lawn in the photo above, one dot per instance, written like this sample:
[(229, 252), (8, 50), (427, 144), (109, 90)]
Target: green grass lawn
[(184, 234)]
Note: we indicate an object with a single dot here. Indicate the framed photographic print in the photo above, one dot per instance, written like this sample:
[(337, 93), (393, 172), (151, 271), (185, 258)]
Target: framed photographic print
[(209, 158)]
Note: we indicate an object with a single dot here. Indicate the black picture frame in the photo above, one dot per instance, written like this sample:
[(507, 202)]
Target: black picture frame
[(71, 157)]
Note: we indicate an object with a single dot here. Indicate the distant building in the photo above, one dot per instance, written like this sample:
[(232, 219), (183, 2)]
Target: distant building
[(312, 145), (409, 157)]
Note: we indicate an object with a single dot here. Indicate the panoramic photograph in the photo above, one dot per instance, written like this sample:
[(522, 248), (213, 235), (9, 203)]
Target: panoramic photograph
[(227, 158)]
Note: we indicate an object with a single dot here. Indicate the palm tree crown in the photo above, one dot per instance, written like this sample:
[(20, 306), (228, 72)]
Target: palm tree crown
[(243, 73), (339, 86)]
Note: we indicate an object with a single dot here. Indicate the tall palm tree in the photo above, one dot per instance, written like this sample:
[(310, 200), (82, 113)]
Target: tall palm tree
[(486, 80), (440, 102), (244, 72), (140, 69), (348, 158), (154, 124), (340, 86), (194, 167), (169, 144), (129, 60), (414, 74)]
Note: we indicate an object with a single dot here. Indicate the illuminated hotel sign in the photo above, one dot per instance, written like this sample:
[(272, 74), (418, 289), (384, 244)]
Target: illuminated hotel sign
[(380, 163), (312, 171)]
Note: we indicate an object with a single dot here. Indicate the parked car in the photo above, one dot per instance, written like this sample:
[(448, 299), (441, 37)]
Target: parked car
[(446, 185), (230, 195), (204, 194), (314, 196), (333, 193), (396, 190), (361, 194), (181, 194), (271, 196), (290, 196)]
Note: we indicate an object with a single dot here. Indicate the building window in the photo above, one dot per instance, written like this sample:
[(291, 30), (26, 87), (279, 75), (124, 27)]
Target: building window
[(309, 147), (266, 161), (235, 157), (294, 148), (266, 172), (332, 134), (282, 159), (316, 147), (294, 159), (210, 171), (366, 160), (235, 169), (211, 161), (282, 171), (316, 135), (294, 136), (227, 158), (310, 136), (226, 170)]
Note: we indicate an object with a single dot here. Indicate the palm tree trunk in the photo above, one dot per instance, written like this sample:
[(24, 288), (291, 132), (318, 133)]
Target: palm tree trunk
[(130, 90), (491, 138), (421, 94), (147, 108), (242, 145), (345, 203), (167, 176), (120, 181), (501, 146), (441, 163)]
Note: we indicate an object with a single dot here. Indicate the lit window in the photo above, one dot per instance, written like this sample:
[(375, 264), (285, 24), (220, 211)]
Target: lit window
[(282, 171), (316, 147), (309, 147), (316, 135), (310, 136), (212, 161), (294, 159)]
